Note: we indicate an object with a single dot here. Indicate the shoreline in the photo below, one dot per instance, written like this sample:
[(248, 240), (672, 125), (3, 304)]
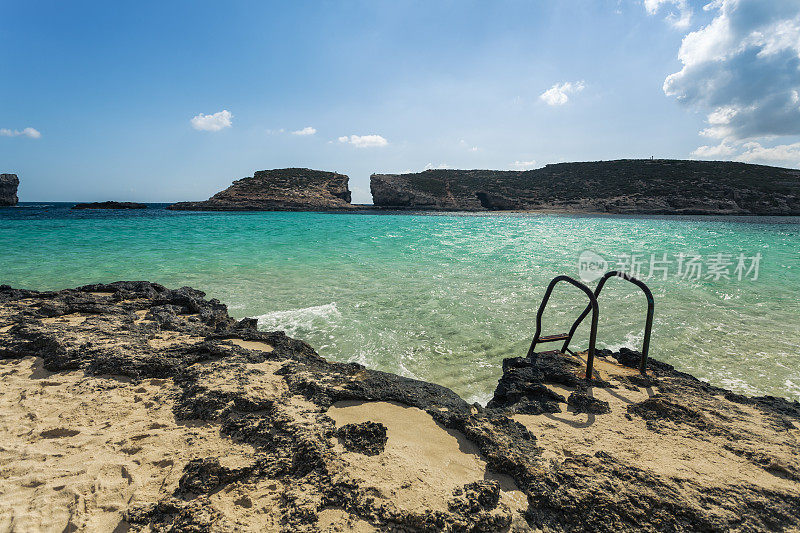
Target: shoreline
[(367, 209), (287, 440)]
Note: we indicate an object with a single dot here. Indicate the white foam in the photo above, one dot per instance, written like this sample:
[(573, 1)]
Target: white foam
[(295, 321), (633, 341)]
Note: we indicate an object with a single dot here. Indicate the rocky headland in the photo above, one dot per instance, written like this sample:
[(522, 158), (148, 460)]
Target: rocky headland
[(8, 189), (110, 205), (286, 189), (626, 186), (131, 406)]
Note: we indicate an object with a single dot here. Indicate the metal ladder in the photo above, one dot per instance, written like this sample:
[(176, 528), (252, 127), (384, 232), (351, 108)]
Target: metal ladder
[(567, 336), (593, 308)]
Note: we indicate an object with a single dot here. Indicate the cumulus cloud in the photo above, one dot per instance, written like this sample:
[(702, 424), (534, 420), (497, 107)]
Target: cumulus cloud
[(721, 150), (364, 141), (559, 93), (787, 155), (31, 133), (783, 154), (679, 13), (523, 165), (743, 69), (215, 122), (308, 130), (431, 166)]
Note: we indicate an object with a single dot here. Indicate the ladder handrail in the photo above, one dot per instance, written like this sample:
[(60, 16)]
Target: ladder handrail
[(591, 307), (648, 321)]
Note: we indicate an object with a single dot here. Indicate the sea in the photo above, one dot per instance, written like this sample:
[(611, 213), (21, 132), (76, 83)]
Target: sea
[(445, 297)]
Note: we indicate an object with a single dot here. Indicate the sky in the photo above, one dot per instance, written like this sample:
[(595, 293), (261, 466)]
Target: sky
[(170, 101)]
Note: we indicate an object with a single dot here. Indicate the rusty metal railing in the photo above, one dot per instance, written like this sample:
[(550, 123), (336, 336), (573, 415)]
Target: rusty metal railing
[(648, 327), (591, 307)]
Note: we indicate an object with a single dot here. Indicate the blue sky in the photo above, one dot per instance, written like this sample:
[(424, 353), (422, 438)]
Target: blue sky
[(168, 101)]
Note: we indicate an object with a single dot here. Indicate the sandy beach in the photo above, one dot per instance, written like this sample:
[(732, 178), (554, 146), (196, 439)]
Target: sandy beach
[(132, 407)]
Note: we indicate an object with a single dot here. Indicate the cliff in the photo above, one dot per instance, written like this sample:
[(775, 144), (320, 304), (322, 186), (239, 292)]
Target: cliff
[(287, 189), (157, 411), (623, 186), (8, 189)]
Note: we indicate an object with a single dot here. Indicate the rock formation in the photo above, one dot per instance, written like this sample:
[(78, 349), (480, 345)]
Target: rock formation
[(157, 411), (110, 205), (8, 189), (287, 189), (624, 186)]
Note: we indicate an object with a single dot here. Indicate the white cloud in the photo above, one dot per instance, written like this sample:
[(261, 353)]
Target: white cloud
[(364, 141), (31, 133), (743, 69), (679, 13), (559, 93), (522, 165), (722, 150), (431, 166), (783, 154), (308, 130), (215, 122), (752, 152)]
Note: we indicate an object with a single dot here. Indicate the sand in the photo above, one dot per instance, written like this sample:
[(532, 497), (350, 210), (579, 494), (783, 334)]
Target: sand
[(423, 463), (82, 452), (77, 451)]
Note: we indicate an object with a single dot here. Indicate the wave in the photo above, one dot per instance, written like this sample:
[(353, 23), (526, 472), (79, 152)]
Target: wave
[(633, 341), (294, 321)]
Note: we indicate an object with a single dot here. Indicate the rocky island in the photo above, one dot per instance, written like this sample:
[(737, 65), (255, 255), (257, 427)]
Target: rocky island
[(8, 189), (286, 189), (110, 205), (133, 407), (625, 186)]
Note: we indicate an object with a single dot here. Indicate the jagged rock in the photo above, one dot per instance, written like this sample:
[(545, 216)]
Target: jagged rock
[(110, 205), (477, 496), (625, 186), (8, 189), (205, 475), (583, 403), (274, 404), (286, 189), (368, 437)]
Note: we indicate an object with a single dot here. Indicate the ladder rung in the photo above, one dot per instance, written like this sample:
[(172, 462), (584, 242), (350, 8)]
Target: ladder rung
[(553, 338)]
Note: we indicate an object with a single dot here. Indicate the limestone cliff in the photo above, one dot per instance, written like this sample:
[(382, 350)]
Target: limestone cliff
[(287, 189), (623, 186), (8, 189)]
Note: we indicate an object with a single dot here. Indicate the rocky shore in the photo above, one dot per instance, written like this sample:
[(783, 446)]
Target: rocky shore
[(8, 189), (110, 205), (285, 189), (628, 186), (131, 406)]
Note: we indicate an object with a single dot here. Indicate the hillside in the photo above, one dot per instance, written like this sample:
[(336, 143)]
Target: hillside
[(624, 186)]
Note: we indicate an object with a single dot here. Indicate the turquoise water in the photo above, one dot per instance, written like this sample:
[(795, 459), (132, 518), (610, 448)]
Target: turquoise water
[(441, 297)]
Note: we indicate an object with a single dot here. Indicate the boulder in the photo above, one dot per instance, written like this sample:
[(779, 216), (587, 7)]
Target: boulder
[(8, 189)]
